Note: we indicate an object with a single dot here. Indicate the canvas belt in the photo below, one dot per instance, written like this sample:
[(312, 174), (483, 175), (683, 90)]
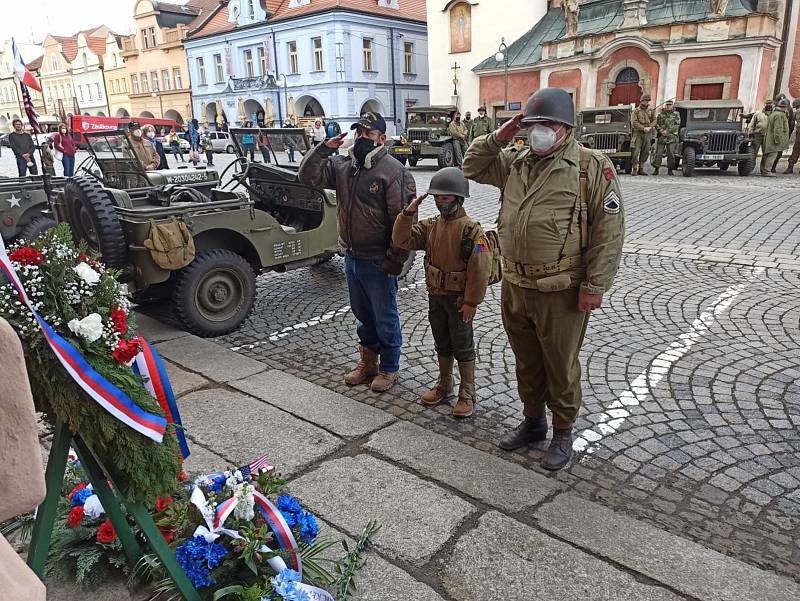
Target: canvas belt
[(544, 269)]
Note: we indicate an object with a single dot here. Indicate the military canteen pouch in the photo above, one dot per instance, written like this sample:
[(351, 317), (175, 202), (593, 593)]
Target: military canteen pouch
[(170, 244), (554, 283)]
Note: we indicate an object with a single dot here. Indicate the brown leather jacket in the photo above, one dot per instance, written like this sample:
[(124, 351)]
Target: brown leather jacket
[(369, 199), (145, 152)]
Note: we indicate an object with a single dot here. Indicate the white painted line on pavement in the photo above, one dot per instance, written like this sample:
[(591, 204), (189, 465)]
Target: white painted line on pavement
[(616, 413)]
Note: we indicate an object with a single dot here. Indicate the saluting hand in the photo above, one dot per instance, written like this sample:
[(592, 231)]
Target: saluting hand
[(336, 142), (509, 129), (588, 302), (414, 204)]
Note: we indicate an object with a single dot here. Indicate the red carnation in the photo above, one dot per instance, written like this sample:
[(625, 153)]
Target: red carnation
[(106, 533), (27, 255), (80, 486), (126, 350), (120, 320), (183, 476), (75, 517), (162, 503)]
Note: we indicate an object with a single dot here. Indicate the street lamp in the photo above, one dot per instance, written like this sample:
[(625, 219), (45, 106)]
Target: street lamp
[(160, 103), (285, 95), (502, 55)]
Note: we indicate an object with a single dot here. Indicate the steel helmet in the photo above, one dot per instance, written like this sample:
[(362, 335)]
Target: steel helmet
[(449, 180), (783, 102), (550, 104)]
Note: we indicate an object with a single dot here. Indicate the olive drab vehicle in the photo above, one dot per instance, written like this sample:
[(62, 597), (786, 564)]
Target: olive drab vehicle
[(501, 117), (425, 136), (191, 236), (25, 207), (608, 129), (713, 134)]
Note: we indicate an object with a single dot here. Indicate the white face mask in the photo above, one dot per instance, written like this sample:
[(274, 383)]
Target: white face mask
[(63, 131), (151, 134), (541, 138), (137, 133)]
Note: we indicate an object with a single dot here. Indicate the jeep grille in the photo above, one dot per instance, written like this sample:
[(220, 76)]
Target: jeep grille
[(606, 142), (421, 135), (722, 142)]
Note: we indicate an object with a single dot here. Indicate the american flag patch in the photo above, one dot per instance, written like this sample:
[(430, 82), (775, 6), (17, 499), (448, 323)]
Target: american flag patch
[(480, 247)]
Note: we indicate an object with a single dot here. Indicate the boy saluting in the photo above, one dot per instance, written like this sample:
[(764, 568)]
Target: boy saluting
[(458, 264)]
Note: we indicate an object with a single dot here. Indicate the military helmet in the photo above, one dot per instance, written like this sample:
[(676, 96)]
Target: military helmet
[(783, 102), (449, 180), (645, 98), (550, 104), (796, 103)]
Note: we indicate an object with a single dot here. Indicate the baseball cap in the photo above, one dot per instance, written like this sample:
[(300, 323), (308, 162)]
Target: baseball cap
[(134, 125), (371, 120)]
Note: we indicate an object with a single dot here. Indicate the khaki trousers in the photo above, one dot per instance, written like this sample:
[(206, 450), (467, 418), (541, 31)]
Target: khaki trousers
[(546, 331)]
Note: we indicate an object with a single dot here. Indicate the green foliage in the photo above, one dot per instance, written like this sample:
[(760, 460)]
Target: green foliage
[(346, 568)]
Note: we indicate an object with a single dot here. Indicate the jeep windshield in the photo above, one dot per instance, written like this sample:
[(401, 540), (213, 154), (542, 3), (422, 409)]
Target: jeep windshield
[(272, 145), (610, 116), (417, 119), (110, 145), (716, 115)]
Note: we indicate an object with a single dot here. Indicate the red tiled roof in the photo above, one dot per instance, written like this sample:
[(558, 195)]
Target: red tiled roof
[(168, 7), (69, 46), (409, 9), (216, 22), (35, 64), (204, 10)]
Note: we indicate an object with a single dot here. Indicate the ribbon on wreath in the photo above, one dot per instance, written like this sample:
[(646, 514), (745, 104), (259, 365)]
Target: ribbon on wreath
[(148, 364), (215, 520), (108, 396), (283, 534)]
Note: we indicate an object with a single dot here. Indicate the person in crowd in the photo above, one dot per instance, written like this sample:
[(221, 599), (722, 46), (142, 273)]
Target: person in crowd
[(458, 132), (65, 149), (150, 136), (642, 121), (561, 230), (144, 151), (318, 133), (208, 146), (757, 127), (776, 138), (249, 142), (290, 145), (668, 124), (262, 141), (22, 145), (372, 188), (468, 124), (47, 158), (332, 129), (481, 125), (791, 119), (796, 148), (458, 264), (174, 142), (193, 135)]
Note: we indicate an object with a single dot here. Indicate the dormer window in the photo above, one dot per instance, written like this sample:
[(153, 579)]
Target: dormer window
[(251, 9)]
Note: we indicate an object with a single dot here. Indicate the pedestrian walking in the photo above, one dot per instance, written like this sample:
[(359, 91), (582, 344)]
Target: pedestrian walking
[(290, 145), (65, 149), (174, 142), (249, 142), (22, 145), (757, 127), (458, 132), (208, 146), (47, 158), (150, 136), (318, 133), (372, 188), (561, 229), (668, 124), (193, 135), (796, 148), (481, 125), (458, 264), (642, 121), (776, 138)]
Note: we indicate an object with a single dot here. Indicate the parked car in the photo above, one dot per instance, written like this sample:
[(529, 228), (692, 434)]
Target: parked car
[(221, 142), (608, 129), (426, 136)]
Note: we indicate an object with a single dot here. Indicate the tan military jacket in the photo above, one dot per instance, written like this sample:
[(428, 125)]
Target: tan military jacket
[(145, 152), (536, 214), (642, 118), (457, 130), (446, 272)]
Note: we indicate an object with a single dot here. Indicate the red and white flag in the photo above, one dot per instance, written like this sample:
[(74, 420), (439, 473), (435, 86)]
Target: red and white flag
[(22, 72)]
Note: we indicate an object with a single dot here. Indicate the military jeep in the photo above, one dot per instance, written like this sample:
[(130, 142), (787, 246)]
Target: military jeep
[(25, 207), (713, 133), (261, 219), (426, 136), (608, 129)]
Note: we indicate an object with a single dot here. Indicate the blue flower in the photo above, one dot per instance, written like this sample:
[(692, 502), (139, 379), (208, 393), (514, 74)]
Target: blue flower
[(217, 483), (285, 584), (197, 558), (79, 498), (308, 527), (288, 504)]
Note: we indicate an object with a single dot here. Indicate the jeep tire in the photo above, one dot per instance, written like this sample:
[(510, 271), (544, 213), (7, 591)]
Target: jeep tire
[(688, 161), (35, 228), (412, 161), (92, 217), (723, 166), (215, 293), (447, 157), (746, 166)]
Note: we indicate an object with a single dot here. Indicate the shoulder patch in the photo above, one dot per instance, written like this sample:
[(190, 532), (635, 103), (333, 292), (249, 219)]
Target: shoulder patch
[(374, 188), (608, 173), (481, 246), (411, 186), (612, 204)]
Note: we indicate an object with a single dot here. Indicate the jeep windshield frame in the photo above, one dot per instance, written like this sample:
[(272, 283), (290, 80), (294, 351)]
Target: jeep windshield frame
[(277, 141), (731, 114), (114, 155), (421, 118)]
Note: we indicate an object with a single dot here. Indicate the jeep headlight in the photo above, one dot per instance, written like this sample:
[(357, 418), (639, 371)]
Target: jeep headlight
[(704, 137)]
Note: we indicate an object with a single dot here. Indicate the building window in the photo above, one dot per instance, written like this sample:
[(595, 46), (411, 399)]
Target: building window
[(218, 68), (248, 63), (154, 79), (135, 84), (316, 43), (165, 79), (176, 78), (145, 39), (124, 85), (152, 31), (201, 71), (366, 43), (85, 60), (251, 9), (99, 91), (263, 60), (89, 91), (145, 83), (114, 60), (54, 63), (408, 58), (80, 93), (293, 58)]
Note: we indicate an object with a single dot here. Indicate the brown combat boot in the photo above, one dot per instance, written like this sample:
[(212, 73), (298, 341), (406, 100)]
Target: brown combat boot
[(789, 169), (384, 381), (635, 169), (444, 385), (367, 367), (466, 390)]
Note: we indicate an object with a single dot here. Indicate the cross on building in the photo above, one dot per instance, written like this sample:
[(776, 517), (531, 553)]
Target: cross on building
[(455, 69)]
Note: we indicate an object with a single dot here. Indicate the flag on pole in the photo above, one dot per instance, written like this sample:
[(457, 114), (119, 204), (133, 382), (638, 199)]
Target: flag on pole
[(27, 104), (23, 73)]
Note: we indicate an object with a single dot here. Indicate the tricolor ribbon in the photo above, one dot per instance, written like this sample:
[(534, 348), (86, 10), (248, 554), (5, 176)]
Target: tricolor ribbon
[(215, 520), (283, 534), (108, 396), (148, 364)]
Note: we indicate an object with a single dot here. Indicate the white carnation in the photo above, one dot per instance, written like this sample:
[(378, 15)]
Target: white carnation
[(93, 508), (86, 273), (90, 327)]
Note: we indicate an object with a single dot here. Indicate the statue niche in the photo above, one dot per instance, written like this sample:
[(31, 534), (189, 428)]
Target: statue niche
[(571, 10)]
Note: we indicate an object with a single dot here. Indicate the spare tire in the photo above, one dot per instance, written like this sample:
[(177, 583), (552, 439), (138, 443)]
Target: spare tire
[(92, 217)]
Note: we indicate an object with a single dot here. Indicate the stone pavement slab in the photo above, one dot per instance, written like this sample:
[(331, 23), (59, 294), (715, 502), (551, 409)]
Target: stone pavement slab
[(417, 517), (183, 381), (495, 481), (202, 461), (679, 563), (155, 331), (328, 409), (505, 559), (209, 359), (241, 428)]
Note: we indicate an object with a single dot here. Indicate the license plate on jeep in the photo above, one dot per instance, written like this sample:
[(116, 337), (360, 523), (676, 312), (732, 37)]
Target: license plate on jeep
[(401, 150), (711, 157), (608, 150)]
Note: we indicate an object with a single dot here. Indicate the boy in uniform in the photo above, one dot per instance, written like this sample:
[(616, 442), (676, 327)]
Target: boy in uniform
[(458, 264)]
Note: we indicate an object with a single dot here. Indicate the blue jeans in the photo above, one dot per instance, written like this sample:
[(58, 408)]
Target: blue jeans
[(373, 299), (69, 165), (22, 167)]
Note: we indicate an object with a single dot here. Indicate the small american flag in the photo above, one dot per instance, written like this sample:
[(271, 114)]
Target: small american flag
[(27, 104), (254, 466)]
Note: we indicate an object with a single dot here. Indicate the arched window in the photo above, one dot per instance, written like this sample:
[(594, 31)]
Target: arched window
[(627, 75)]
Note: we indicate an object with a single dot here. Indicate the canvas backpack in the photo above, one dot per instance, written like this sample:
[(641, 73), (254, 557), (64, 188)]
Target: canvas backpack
[(493, 242), (170, 244)]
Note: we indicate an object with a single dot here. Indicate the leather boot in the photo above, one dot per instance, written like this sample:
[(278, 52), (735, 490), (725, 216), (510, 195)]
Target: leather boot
[(444, 385), (656, 171), (560, 451), (367, 367), (466, 390), (635, 169), (384, 381), (789, 169), (531, 429)]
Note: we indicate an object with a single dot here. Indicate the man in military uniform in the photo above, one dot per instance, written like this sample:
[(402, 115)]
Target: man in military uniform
[(481, 125), (758, 126), (796, 148), (561, 228), (776, 138), (458, 263), (668, 124), (458, 132), (790, 118), (642, 120)]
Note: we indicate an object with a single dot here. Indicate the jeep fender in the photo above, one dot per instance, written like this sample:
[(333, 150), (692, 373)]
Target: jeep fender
[(228, 239)]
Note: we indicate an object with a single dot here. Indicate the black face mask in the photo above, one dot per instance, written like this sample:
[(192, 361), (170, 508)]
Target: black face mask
[(767, 109), (362, 148), (447, 209)]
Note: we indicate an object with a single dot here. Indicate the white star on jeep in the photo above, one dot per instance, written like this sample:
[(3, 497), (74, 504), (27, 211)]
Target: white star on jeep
[(13, 201)]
